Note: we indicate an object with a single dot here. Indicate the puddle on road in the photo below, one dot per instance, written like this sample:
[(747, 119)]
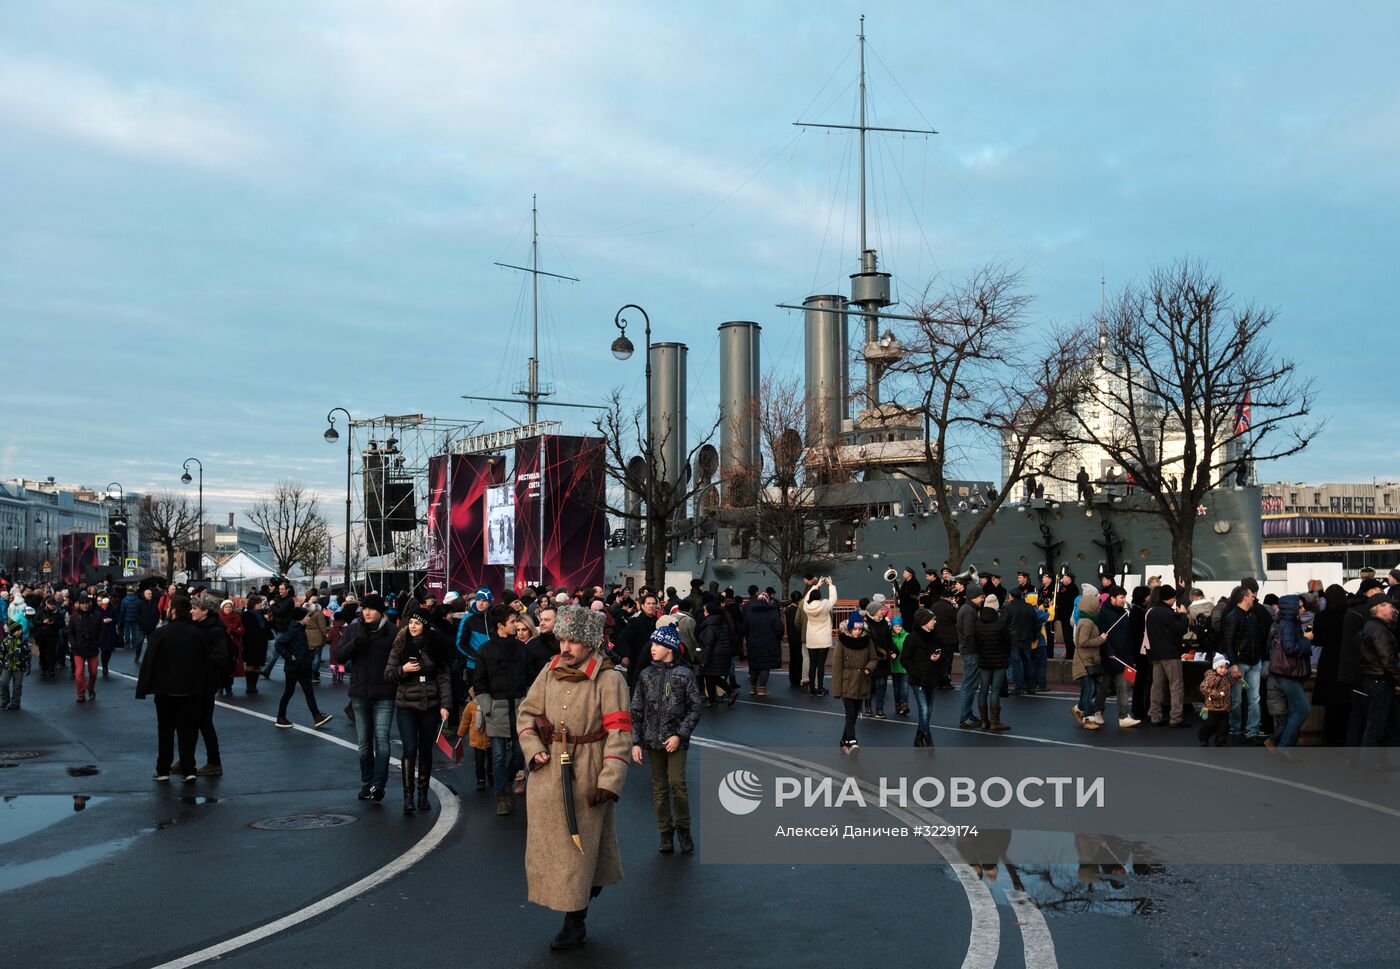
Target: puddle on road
[(23, 815), (199, 799), (1107, 881), (32, 872), (87, 770)]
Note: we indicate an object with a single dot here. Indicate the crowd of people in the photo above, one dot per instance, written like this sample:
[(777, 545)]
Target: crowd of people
[(615, 676)]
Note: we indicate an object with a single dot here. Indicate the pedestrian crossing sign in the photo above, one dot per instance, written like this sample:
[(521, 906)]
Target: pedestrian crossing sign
[(128, 567), (99, 541)]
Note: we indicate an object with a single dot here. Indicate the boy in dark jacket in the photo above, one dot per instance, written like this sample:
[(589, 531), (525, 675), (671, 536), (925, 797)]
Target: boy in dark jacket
[(665, 712)]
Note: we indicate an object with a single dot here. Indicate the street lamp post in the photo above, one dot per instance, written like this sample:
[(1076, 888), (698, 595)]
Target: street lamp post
[(187, 479), (622, 350), (121, 519), (331, 436)]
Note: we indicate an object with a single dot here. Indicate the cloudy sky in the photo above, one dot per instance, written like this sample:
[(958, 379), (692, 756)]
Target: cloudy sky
[(221, 220)]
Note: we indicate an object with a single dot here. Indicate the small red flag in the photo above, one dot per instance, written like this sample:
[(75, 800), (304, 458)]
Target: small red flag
[(447, 747), (1129, 673)]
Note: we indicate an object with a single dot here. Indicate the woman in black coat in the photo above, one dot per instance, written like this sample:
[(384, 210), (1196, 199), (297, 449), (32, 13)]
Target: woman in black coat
[(765, 624), (908, 594), (1327, 634), (255, 634), (922, 661), (1137, 629), (713, 638)]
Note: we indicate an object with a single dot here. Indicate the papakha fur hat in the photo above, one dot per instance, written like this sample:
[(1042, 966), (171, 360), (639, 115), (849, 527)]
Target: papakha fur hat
[(579, 625)]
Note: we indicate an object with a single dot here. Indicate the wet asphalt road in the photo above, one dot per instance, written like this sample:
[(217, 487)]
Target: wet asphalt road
[(146, 873)]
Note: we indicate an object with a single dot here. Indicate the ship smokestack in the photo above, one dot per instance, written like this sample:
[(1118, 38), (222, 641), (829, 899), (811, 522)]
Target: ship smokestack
[(738, 410), (668, 393), (828, 368)]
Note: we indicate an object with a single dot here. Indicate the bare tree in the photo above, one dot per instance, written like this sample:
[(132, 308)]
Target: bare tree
[(1190, 394), (773, 500), (314, 553), (167, 520), (969, 374), (286, 518), (663, 500)]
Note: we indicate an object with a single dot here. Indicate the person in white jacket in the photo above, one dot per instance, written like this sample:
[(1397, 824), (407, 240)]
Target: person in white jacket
[(817, 638)]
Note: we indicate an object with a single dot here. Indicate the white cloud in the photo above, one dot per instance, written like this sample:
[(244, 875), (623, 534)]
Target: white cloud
[(151, 122)]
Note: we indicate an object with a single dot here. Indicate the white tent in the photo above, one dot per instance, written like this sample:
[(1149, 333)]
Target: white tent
[(240, 572)]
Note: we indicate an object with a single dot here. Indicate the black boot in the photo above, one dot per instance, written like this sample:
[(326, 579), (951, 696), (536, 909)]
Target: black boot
[(573, 934), (687, 843), (425, 774), (669, 847), (408, 772)]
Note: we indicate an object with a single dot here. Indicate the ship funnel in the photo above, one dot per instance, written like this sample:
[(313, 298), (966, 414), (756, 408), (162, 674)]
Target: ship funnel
[(668, 390), (828, 368), (738, 406)]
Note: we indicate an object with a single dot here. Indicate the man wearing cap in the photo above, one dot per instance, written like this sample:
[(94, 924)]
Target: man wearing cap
[(1349, 675), (84, 643), (1166, 626), (579, 704), (472, 634), (365, 646), (967, 649), (993, 587)]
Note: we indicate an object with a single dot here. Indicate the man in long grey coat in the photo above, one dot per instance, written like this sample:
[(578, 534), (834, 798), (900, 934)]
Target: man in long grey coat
[(578, 703)]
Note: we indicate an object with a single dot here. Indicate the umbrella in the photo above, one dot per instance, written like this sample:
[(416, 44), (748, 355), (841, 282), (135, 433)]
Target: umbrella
[(566, 777)]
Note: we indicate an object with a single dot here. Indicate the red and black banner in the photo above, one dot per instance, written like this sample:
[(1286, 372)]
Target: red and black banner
[(560, 526), (77, 557), (457, 486)]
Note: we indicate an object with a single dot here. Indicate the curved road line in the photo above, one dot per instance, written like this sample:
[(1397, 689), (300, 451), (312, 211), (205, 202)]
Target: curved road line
[(984, 939), (447, 817), (1253, 775)]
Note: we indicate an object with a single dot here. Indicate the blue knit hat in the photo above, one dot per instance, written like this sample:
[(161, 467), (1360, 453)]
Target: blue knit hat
[(483, 593), (856, 619), (667, 636)]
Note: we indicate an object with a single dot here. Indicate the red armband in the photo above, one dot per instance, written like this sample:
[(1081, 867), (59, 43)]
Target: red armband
[(621, 720)]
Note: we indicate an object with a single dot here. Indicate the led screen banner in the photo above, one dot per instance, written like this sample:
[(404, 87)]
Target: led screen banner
[(457, 488), (77, 557), (500, 525), (439, 499), (560, 525)]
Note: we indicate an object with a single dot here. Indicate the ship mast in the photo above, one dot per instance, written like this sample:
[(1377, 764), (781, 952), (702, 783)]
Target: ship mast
[(870, 288), (533, 393)]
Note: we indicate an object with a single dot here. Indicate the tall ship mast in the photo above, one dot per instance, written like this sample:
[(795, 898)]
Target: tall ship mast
[(880, 515)]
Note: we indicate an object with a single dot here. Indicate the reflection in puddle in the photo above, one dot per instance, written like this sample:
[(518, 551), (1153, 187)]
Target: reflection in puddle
[(23, 815), (1092, 876), (199, 799), (87, 770), (32, 872)]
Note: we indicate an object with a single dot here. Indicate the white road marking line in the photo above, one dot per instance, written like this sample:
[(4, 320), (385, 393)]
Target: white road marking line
[(984, 940), (1035, 933), (447, 817), (1253, 775)]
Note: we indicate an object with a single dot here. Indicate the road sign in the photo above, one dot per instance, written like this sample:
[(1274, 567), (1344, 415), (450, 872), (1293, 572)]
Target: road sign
[(48, 566), (129, 567), (99, 541)]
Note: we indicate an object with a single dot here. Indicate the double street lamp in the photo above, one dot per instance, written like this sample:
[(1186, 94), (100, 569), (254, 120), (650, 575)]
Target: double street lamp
[(622, 349), (331, 436), (187, 479)]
